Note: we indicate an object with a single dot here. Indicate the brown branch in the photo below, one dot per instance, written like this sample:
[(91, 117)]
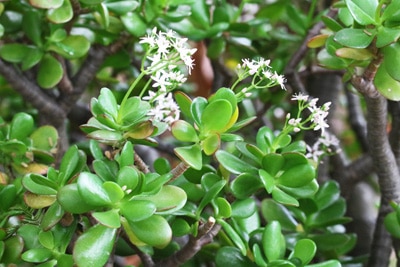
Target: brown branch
[(206, 234), (141, 164), (33, 94), (357, 119), (178, 170)]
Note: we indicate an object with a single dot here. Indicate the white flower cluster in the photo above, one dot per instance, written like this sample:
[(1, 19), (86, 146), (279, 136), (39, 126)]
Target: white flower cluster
[(164, 108), (318, 114), (318, 121), (262, 71), (167, 52)]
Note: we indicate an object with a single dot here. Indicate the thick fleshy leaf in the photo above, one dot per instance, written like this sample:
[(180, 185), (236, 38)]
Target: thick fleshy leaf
[(106, 136), (328, 194), (129, 177), (233, 236), (45, 137), (363, 11), (391, 53), (37, 255), (108, 103), (298, 175), (243, 208), (39, 184), (196, 109), (329, 215), (32, 26), (8, 194), (386, 85), (216, 116), (245, 185), (62, 14), (114, 191), (273, 241), (32, 58), (46, 4), (38, 201), (134, 24), (233, 163), (329, 263), (304, 250), (211, 194), (52, 216), (122, 7), (91, 189), (93, 248), (14, 53), (50, 72), (184, 131), (331, 62), (317, 41), (109, 218), (392, 224), (21, 126), (273, 211), (386, 36), (222, 207), (284, 198), (141, 130), (154, 231), (137, 209), (71, 201), (191, 155), (353, 53), (13, 248), (231, 256), (267, 180), (354, 38), (184, 103), (211, 144)]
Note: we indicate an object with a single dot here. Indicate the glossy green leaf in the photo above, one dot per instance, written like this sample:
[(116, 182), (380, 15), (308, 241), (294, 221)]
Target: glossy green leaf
[(37, 255), (94, 247), (50, 72), (134, 24), (284, 198), (154, 231), (329, 263), (8, 195), (233, 236), (62, 14), (13, 248), (273, 242), (243, 208), (71, 201), (184, 102), (392, 224), (46, 239), (331, 23), (273, 163), (390, 54), (297, 176), (387, 36), (106, 169), (32, 58), (162, 166), (326, 60), (129, 177), (126, 156), (38, 201), (45, 137), (317, 41), (211, 144), (180, 227), (200, 14), (91, 189), (191, 155), (363, 11), (329, 215), (304, 250), (330, 241), (91, 2), (354, 38), (32, 26), (69, 164), (223, 208), (216, 116), (52, 216), (184, 131), (137, 209), (211, 194), (267, 180), (114, 191), (273, 211), (328, 194), (14, 53), (233, 163), (108, 103), (391, 11), (39, 184), (122, 7), (46, 4), (245, 185), (21, 126), (196, 109), (96, 150), (106, 136), (386, 85), (109, 218), (231, 256), (169, 199), (353, 53)]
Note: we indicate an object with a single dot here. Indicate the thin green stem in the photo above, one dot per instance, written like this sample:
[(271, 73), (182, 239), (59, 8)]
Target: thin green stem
[(133, 85), (311, 12)]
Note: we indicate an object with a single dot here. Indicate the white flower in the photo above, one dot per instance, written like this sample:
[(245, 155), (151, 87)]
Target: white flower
[(314, 152), (295, 123), (299, 97), (164, 109)]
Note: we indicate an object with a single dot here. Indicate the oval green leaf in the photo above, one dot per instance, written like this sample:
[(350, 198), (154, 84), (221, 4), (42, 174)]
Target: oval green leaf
[(386, 85), (50, 72)]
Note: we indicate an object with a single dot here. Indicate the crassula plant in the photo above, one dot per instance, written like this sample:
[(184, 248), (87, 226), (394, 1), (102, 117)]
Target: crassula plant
[(232, 200)]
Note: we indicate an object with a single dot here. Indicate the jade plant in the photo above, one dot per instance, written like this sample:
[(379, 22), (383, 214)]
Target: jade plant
[(105, 201)]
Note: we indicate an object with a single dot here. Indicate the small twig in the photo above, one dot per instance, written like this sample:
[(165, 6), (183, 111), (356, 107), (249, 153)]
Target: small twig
[(146, 259), (141, 164), (178, 170)]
